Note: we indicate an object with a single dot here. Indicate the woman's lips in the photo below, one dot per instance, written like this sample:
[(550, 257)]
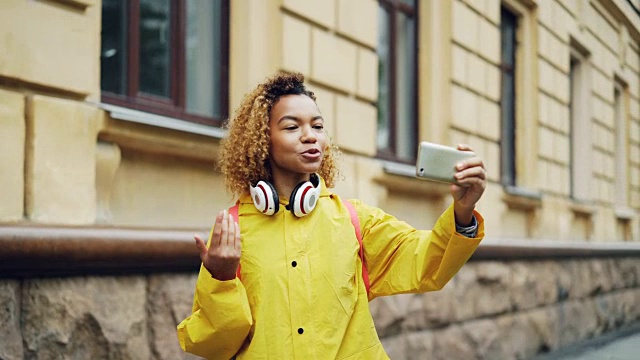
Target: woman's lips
[(312, 154)]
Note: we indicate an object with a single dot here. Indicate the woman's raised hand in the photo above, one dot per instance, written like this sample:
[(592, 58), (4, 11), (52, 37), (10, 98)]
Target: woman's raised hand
[(222, 257), (472, 180)]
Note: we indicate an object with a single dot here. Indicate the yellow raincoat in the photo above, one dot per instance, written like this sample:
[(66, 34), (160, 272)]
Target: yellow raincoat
[(301, 293)]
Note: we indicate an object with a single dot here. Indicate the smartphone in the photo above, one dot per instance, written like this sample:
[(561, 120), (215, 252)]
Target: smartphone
[(438, 162)]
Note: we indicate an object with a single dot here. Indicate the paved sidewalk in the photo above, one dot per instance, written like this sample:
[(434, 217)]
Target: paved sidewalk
[(622, 345), (627, 348)]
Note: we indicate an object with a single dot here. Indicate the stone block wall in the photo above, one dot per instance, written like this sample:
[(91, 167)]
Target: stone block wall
[(512, 310), (128, 317), (336, 51), (34, 34), (490, 310), (12, 138)]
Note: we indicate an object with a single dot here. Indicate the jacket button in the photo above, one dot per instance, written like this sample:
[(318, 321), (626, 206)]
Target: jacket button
[(300, 330), (294, 264)]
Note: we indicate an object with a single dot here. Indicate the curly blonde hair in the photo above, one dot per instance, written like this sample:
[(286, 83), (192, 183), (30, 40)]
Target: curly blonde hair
[(244, 152)]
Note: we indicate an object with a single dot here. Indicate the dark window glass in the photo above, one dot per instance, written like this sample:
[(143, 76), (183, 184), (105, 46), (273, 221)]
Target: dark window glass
[(114, 47), (169, 57), (384, 78), (406, 74), (508, 29), (397, 76), (155, 47), (573, 68)]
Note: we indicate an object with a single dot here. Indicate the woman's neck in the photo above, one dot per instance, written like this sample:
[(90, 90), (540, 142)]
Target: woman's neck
[(285, 183)]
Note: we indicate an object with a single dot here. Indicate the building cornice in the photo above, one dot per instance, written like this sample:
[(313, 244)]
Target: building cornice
[(624, 12)]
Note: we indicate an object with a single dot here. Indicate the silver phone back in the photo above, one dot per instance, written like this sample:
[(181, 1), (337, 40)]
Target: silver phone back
[(437, 162)]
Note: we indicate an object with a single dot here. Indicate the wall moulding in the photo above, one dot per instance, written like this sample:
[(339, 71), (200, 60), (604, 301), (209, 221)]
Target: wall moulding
[(45, 251)]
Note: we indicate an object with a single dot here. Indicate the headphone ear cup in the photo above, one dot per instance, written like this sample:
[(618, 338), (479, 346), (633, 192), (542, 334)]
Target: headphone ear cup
[(294, 200), (265, 197), (304, 198)]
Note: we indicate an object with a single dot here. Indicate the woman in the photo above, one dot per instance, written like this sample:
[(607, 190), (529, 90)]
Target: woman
[(300, 290)]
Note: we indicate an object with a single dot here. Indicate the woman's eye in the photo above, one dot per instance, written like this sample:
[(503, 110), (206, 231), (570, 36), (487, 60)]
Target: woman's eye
[(292, 127), (318, 127)]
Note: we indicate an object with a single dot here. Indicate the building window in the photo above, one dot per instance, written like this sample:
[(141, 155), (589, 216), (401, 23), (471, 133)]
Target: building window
[(168, 57), (623, 211), (580, 120), (621, 157), (508, 30), (397, 91)]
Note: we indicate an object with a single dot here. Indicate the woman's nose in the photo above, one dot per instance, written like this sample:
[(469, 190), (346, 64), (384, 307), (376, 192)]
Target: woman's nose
[(308, 135)]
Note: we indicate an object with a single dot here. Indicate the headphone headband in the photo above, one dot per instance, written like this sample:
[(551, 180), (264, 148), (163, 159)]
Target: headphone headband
[(302, 201)]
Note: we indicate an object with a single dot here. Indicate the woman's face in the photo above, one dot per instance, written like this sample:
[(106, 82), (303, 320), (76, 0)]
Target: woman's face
[(298, 139)]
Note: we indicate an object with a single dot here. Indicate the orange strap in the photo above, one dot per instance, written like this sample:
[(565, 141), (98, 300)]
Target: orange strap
[(233, 211), (356, 226), (355, 221)]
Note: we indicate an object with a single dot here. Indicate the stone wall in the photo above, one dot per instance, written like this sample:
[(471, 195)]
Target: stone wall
[(490, 310), (128, 317), (512, 310)]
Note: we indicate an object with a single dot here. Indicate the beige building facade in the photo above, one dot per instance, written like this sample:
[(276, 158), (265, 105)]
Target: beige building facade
[(118, 171), (70, 159)]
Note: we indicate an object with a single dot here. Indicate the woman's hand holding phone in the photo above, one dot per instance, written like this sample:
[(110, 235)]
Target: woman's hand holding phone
[(458, 166), (471, 181)]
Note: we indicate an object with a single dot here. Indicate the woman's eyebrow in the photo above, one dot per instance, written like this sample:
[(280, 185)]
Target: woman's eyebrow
[(297, 119)]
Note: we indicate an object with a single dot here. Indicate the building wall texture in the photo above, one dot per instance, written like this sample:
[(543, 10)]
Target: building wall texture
[(67, 161)]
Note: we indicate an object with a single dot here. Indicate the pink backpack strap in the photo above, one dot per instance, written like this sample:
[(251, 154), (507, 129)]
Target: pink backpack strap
[(355, 221), (233, 211)]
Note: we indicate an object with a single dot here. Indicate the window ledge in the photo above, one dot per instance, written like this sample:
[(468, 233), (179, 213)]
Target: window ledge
[(402, 178), (141, 117), (154, 134), (522, 199), (586, 209), (80, 4), (624, 213), (536, 249), (399, 169)]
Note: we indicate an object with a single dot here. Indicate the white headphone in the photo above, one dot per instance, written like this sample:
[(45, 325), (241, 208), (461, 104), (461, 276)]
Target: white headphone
[(303, 200)]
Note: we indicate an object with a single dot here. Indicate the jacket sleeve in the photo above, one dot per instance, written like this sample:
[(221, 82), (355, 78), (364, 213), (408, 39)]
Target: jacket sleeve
[(401, 259), (220, 320)]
